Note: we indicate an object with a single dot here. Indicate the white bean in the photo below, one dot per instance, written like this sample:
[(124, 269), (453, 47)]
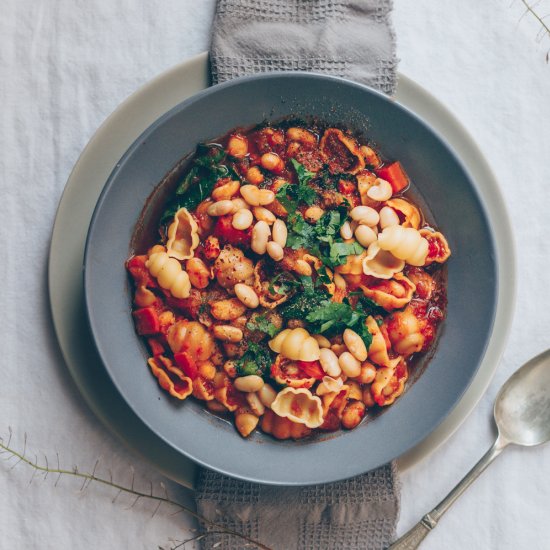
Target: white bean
[(388, 217), (349, 365), (250, 194), (263, 214), (345, 231), (365, 235), (250, 383), (265, 197), (280, 232), (240, 204), (267, 395), (380, 191), (322, 341), (247, 295), (242, 219), (365, 215), (355, 344), (255, 404), (329, 362), (221, 208), (260, 237), (275, 250), (227, 333)]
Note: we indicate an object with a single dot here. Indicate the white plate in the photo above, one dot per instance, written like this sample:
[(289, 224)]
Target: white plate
[(85, 183)]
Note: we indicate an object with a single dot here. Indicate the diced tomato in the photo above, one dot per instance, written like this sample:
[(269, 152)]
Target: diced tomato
[(156, 346), (147, 321), (187, 364), (395, 175), (225, 231), (138, 271), (312, 369), (347, 187)]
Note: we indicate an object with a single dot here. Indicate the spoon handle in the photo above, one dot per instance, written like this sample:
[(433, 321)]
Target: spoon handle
[(413, 538)]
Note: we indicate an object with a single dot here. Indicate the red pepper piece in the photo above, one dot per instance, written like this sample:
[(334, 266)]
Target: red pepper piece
[(187, 364), (225, 231), (312, 369), (395, 175), (156, 346), (147, 321)]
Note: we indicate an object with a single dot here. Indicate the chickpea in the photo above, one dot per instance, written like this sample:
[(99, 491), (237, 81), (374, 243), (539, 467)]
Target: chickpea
[(237, 146), (368, 400), (353, 414), (368, 373), (226, 191), (254, 175), (313, 213), (207, 370), (272, 162)]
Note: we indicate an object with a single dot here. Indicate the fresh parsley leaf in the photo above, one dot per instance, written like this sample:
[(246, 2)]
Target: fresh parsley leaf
[(303, 175), (333, 318), (339, 252), (256, 360), (302, 304), (262, 324), (199, 181), (301, 234), (291, 195), (369, 307)]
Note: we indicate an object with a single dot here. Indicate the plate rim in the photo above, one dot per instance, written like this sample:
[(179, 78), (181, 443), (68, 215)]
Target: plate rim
[(163, 79)]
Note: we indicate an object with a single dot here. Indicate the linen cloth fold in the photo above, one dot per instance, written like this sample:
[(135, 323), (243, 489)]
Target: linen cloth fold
[(352, 39)]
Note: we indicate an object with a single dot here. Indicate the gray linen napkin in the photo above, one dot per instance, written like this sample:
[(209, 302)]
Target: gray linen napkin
[(348, 38), (352, 39)]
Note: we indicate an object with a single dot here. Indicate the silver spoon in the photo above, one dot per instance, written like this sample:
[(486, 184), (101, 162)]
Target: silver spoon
[(522, 416)]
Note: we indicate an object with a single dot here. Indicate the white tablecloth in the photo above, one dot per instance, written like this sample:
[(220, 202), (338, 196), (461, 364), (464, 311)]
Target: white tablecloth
[(65, 65)]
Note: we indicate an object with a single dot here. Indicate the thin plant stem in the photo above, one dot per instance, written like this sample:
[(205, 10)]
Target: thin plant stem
[(88, 478)]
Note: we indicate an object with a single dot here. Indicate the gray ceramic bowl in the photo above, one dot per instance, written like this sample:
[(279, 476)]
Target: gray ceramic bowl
[(439, 178)]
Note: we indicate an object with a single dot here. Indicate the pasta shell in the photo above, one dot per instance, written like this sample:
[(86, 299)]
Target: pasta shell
[(183, 236), (410, 213), (380, 263), (283, 428), (390, 294), (296, 344), (288, 373), (170, 377), (389, 382), (299, 405), (261, 287), (404, 243), (438, 247), (378, 350)]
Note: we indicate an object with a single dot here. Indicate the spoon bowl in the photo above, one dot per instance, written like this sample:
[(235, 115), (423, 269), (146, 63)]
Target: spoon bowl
[(522, 415), (522, 406)]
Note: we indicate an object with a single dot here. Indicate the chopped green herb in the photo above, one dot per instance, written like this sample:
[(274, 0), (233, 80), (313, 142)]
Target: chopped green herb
[(333, 318), (262, 324), (291, 195), (256, 360), (205, 171)]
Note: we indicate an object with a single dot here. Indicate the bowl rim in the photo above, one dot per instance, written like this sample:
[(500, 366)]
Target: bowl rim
[(187, 103)]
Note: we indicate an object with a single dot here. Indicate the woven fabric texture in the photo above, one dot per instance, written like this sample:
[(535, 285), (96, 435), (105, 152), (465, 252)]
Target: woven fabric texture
[(352, 39), (358, 513)]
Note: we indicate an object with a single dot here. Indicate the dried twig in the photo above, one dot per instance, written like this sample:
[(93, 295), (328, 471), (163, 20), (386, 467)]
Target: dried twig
[(545, 28), (88, 478)]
